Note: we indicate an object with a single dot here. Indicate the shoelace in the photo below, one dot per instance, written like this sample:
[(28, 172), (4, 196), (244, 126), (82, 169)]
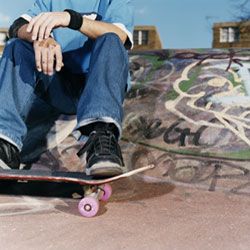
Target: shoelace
[(100, 142)]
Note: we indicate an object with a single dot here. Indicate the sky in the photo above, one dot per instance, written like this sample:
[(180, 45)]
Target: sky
[(180, 23)]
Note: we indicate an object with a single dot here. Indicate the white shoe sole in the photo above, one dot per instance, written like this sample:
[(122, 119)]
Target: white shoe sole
[(105, 169)]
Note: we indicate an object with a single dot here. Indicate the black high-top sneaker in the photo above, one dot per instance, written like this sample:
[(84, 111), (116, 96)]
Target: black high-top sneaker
[(9, 156), (104, 157)]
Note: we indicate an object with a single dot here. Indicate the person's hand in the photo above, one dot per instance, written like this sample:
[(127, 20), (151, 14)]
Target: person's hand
[(42, 25), (48, 56)]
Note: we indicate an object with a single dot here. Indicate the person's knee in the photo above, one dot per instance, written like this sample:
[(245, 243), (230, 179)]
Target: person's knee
[(110, 38), (17, 45), (16, 49), (112, 45)]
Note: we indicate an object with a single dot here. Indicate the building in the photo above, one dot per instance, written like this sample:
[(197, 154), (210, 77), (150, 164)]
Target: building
[(3, 38), (146, 38), (231, 35)]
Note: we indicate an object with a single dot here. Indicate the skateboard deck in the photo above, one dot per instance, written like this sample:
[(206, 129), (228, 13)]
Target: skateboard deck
[(95, 190), (68, 177)]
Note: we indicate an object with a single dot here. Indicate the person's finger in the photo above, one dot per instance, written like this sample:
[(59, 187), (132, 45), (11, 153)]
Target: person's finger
[(43, 27), (50, 58), (59, 58), (44, 59), (38, 57), (49, 29), (32, 22), (37, 25)]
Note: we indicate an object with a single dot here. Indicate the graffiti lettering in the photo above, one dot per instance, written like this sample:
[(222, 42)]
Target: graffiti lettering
[(231, 55), (210, 173), (151, 129)]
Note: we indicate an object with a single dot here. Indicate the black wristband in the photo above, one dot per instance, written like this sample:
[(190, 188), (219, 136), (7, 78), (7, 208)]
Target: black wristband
[(76, 19)]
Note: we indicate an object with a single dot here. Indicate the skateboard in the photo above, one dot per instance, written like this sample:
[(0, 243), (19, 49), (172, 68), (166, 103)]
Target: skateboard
[(95, 190)]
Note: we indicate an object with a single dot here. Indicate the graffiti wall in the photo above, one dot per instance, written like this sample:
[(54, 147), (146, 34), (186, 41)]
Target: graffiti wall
[(188, 112)]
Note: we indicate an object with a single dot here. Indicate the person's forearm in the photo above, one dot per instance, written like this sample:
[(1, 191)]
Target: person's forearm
[(94, 29), (39, 28), (23, 34)]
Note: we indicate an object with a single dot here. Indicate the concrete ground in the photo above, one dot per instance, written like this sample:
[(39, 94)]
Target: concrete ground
[(140, 215)]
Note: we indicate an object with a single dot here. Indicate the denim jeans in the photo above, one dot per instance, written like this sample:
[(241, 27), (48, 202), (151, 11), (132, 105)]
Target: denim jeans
[(29, 97)]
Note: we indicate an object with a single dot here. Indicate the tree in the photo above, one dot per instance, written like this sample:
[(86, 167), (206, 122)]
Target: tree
[(242, 9)]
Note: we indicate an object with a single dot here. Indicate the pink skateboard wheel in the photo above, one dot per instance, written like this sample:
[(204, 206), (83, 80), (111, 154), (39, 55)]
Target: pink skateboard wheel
[(88, 207), (107, 192)]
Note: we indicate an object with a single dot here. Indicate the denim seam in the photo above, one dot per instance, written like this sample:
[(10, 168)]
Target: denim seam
[(125, 65), (26, 101)]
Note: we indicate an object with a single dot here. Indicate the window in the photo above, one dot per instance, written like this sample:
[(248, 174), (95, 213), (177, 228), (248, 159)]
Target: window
[(141, 37), (229, 34)]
